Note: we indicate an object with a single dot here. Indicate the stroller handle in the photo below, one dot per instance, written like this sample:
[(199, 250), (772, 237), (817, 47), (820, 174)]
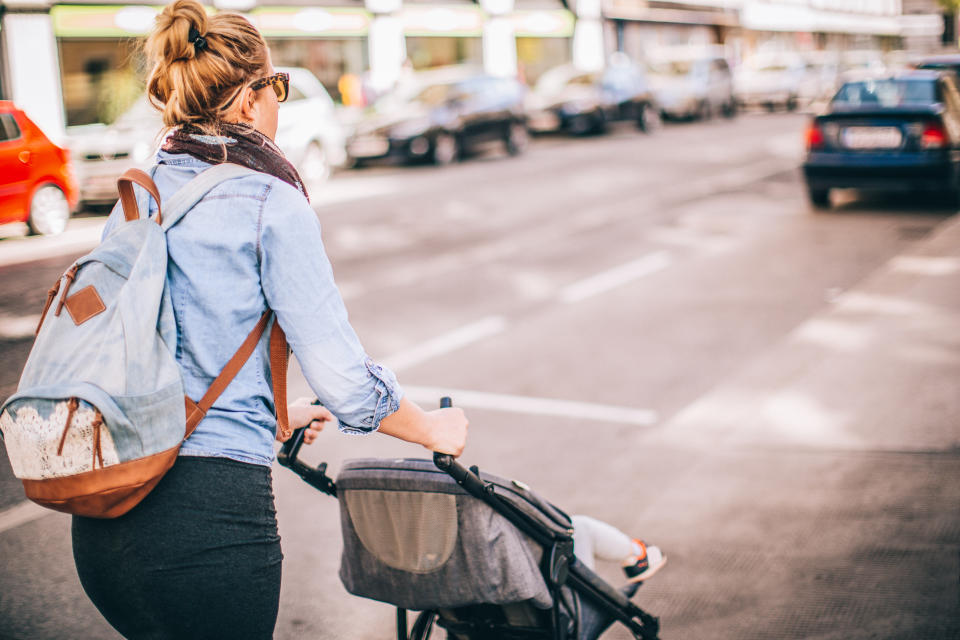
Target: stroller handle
[(444, 460), (448, 464), (315, 476)]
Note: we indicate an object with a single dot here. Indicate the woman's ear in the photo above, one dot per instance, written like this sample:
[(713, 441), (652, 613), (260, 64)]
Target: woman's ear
[(249, 109)]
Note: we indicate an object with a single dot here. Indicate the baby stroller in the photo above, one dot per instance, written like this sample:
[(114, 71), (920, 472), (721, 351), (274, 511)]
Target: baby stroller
[(481, 557)]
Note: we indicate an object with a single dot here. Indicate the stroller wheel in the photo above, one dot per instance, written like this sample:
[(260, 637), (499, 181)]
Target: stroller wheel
[(423, 627)]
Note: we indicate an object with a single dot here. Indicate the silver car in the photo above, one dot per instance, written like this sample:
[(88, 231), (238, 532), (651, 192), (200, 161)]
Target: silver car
[(693, 85), (309, 134)]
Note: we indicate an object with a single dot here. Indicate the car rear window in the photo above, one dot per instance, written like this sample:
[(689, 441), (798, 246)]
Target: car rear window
[(9, 129), (887, 93)]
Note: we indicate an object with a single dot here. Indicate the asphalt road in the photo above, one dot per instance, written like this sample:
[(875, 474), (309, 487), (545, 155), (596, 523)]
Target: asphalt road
[(582, 301)]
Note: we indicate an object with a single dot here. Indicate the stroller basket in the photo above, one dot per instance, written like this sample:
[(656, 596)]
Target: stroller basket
[(479, 555)]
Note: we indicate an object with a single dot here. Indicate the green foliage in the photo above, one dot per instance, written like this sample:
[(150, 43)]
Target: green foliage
[(953, 6)]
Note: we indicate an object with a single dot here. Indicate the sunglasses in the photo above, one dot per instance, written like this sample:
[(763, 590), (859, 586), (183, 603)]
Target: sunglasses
[(279, 81)]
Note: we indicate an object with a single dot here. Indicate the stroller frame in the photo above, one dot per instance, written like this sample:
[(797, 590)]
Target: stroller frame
[(560, 569)]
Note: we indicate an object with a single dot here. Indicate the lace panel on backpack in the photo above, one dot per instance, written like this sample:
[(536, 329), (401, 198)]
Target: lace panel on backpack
[(32, 441)]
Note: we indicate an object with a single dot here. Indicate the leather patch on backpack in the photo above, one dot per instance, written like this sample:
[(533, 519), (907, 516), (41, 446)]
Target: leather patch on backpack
[(84, 304)]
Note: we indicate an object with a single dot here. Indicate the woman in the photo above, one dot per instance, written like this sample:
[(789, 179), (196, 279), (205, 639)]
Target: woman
[(200, 556)]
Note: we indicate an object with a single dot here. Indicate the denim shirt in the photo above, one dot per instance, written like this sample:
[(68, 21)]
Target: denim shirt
[(253, 243)]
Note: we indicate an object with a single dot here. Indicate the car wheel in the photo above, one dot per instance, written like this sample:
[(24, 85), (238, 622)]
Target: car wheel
[(446, 149), (729, 109), (314, 167), (705, 112), (517, 138), (649, 119), (49, 211), (819, 198), (792, 103), (579, 125), (599, 123)]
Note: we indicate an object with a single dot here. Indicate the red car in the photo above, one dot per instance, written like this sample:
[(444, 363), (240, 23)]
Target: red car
[(37, 185)]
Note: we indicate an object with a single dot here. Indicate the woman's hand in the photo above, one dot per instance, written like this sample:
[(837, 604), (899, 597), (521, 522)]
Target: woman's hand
[(300, 413), (449, 433)]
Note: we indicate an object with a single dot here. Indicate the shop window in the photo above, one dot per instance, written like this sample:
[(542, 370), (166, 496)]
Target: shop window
[(101, 78), (327, 58), (536, 56)]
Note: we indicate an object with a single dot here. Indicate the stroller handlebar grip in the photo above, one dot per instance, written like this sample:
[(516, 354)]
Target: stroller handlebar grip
[(316, 476), (449, 465), (444, 461)]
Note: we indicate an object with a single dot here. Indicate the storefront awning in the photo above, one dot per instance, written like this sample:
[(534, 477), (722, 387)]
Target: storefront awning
[(102, 21), (763, 17), (465, 21), (320, 22), (547, 23), (640, 12)]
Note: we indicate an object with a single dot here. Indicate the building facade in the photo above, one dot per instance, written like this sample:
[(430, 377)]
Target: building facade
[(80, 61)]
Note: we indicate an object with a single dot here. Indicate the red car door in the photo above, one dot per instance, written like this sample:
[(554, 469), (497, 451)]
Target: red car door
[(15, 161)]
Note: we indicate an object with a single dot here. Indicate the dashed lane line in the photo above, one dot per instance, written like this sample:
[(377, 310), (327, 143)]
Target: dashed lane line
[(20, 514), (615, 277), (447, 342), (430, 397)]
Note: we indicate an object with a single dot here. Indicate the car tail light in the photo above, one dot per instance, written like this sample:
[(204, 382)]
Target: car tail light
[(815, 139), (934, 137)]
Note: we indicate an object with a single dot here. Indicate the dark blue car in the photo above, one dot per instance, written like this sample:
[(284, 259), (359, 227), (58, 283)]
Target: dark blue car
[(892, 133)]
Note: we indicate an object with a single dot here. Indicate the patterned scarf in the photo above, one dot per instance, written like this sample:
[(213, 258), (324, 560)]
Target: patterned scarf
[(239, 144)]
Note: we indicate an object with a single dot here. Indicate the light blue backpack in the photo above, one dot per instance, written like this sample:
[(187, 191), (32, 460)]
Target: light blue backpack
[(100, 410)]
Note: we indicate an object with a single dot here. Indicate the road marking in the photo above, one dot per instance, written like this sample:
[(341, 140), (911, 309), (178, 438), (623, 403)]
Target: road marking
[(582, 218), (20, 514), (926, 265), (616, 277), (430, 396), (82, 235), (447, 342), (18, 327)]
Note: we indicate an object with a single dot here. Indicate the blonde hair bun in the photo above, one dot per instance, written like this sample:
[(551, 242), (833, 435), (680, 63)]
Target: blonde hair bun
[(193, 83), (171, 32)]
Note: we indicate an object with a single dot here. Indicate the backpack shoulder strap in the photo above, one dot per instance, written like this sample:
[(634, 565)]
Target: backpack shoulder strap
[(128, 198), (279, 359), (193, 192)]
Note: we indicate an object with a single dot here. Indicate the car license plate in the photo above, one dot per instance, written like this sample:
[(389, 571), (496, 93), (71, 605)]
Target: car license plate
[(872, 137), (544, 121), (368, 146)]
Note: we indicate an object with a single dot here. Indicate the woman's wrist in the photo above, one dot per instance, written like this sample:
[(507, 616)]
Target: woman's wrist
[(409, 423)]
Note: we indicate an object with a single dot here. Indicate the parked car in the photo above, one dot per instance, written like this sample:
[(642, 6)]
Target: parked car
[(949, 62), (37, 185), (898, 132), (440, 114), (309, 135), (772, 81), (568, 99), (692, 85)]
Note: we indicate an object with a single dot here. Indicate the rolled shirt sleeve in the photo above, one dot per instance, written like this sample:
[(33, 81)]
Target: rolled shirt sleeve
[(298, 284)]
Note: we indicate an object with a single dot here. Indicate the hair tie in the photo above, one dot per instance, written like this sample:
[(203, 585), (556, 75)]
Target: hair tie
[(199, 42)]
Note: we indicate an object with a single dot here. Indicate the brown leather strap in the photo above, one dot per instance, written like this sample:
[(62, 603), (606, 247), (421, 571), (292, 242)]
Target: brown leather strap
[(279, 360), (278, 371), (129, 199)]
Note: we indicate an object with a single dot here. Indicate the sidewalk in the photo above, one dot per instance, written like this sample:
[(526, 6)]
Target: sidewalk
[(816, 494)]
